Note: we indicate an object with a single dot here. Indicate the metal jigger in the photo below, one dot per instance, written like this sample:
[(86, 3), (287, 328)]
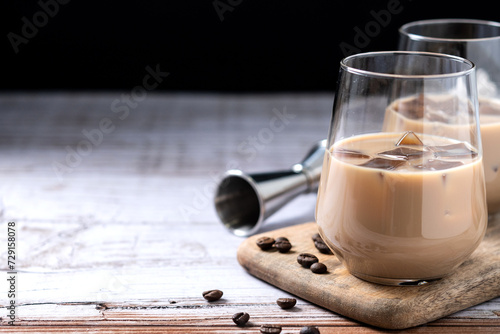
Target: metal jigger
[(243, 201)]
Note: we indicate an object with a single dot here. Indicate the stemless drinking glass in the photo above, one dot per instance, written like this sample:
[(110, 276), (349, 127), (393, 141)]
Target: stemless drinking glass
[(402, 199), (478, 41)]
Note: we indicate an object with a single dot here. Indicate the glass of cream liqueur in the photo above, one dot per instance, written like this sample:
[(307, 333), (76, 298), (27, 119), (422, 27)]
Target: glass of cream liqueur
[(402, 200), (478, 41)]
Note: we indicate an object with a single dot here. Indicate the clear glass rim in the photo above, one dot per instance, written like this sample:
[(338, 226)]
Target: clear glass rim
[(404, 29), (354, 70)]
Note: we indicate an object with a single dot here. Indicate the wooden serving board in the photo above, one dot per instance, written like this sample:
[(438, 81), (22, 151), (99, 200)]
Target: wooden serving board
[(475, 281)]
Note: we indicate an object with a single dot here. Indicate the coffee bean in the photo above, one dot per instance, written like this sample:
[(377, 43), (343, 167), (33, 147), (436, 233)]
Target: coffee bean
[(270, 329), (212, 295), (286, 303), (306, 259), (322, 247), (317, 237), (265, 243), (283, 246), (309, 330), (241, 318), (318, 268)]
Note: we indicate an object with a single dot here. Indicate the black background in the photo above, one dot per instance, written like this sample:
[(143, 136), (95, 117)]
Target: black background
[(259, 46)]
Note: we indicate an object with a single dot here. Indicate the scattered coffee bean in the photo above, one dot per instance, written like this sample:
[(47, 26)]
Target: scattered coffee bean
[(265, 243), (270, 329), (283, 246), (241, 318), (306, 259), (317, 237), (322, 247), (318, 268), (286, 303), (212, 295), (309, 330)]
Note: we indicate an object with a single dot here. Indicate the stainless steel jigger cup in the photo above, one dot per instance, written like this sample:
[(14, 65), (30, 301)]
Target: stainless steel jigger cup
[(243, 201)]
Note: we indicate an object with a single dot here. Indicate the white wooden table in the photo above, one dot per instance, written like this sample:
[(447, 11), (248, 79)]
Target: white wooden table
[(112, 201)]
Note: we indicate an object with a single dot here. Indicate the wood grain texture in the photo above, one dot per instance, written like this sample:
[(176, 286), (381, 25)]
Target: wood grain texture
[(475, 281), (128, 239)]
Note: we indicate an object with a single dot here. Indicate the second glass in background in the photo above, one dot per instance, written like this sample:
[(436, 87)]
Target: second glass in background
[(478, 41)]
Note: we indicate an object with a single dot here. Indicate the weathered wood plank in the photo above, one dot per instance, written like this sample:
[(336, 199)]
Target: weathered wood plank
[(86, 328), (126, 239), (179, 311), (179, 134)]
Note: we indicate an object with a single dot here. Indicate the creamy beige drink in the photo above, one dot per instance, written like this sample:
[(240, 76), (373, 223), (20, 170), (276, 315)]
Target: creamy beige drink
[(402, 208), (410, 114)]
